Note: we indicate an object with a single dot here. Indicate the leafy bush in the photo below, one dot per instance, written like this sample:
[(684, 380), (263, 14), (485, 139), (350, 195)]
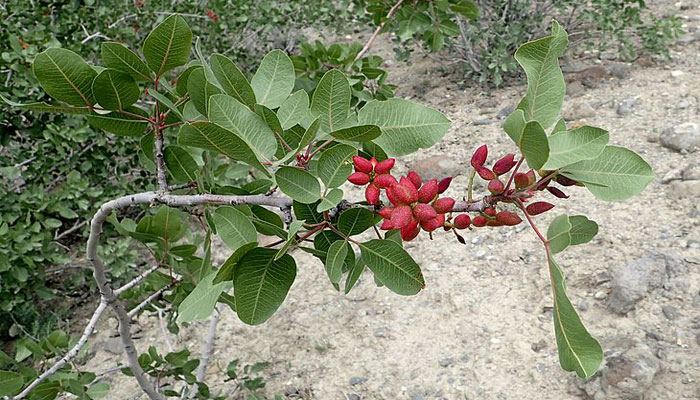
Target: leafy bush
[(483, 46), (298, 149), (57, 167)]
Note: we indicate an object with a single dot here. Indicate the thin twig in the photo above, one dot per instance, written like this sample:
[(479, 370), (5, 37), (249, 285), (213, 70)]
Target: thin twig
[(389, 15)]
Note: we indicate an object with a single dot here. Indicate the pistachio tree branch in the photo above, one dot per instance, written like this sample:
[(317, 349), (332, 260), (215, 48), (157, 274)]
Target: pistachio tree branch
[(109, 296), (389, 15)]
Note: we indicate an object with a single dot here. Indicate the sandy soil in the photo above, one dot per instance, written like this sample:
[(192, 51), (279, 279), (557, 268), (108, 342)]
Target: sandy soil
[(482, 328)]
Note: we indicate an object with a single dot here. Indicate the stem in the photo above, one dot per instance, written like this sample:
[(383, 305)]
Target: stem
[(324, 144), (389, 15), (160, 161), (512, 175), (284, 142), (208, 348)]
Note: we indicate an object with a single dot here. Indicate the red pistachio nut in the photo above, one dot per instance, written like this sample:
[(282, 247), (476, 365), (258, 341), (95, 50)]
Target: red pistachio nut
[(362, 164), (427, 192), (384, 181), (401, 216), (424, 212), (462, 221), (508, 218), (538, 207), (564, 181), (383, 167), (372, 194), (444, 184), (415, 179), (491, 212), (444, 205), (387, 225), (359, 178), (485, 173), (386, 212), (479, 221), (504, 165), (479, 157), (557, 192), (496, 187), (521, 180), (410, 231), (433, 223), (412, 189)]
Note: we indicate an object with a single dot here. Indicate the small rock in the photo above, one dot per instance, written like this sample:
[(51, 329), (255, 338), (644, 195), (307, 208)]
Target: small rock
[(684, 137), (579, 110), (354, 396), (619, 70), (669, 312), (684, 189), (583, 305), (629, 371), (645, 61), (111, 345), (575, 89), (625, 107), (631, 283), (437, 167), (672, 175), (488, 104), (539, 346), (691, 172), (357, 380), (381, 332), (505, 112), (600, 295), (677, 74), (446, 362), (484, 121)]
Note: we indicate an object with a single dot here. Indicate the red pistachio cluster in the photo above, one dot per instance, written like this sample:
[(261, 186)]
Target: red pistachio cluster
[(414, 205)]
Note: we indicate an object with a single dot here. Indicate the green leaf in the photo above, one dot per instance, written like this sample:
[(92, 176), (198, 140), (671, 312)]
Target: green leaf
[(200, 90), (298, 184), (225, 272), (234, 227), (330, 200), (270, 119), (200, 303), (393, 266), (534, 145), (290, 239), (355, 221), (65, 76), (237, 118), (466, 8), (616, 174), (274, 79), (181, 88), (98, 390), (335, 260), (232, 80), (117, 56), (545, 81), (568, 147), (11, 383), (307, 212), (115, 90), (559, 126), (582, 229), (406, 126), (167, 103), (180, 164), (210, 136), (362, 133), (559, 233), (354, 275), (168, 45), (294, 109), (261, 284), (578, 350), (45, 107), (120, 124), (47, 390), (334, 166), (331, 100)]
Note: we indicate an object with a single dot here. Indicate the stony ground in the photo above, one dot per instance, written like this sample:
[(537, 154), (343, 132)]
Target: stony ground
[(482, 328)]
